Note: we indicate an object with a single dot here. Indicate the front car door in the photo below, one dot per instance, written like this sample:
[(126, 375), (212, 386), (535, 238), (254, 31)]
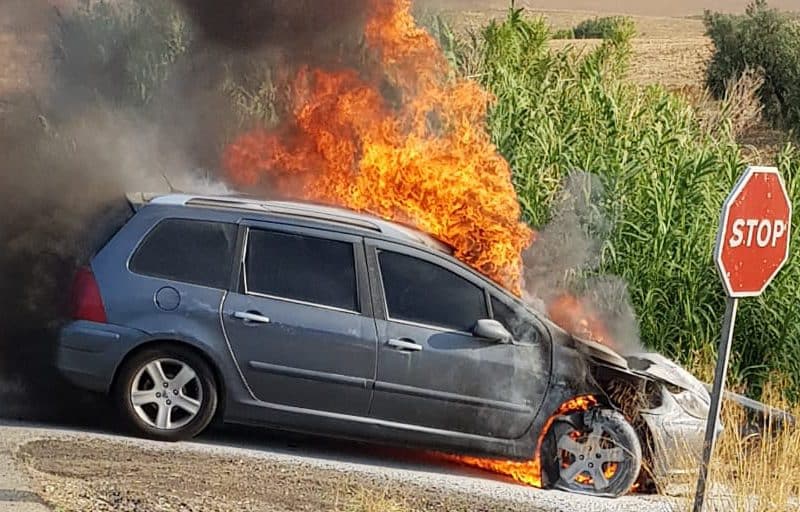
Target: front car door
[(432, 372), (300, 326)]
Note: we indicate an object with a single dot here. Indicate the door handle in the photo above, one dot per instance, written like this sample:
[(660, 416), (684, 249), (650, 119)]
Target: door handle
[(251, 317), (404, 345)]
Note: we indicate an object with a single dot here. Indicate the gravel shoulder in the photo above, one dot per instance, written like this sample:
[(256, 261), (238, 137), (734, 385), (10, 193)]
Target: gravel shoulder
[(102, 476), (233, 471)]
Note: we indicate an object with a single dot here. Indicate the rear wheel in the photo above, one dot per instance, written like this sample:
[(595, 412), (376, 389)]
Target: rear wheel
[(597, 452), (166, 393)]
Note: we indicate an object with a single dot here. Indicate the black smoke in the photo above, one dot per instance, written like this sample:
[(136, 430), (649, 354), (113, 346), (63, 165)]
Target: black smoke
[(303, 26), (81, 126)]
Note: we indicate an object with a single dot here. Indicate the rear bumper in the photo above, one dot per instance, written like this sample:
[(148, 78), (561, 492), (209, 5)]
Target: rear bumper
[(88, 353)]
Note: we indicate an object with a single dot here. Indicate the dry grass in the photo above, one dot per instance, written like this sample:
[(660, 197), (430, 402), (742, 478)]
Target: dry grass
[(739, 110), (753, 469), (670, 51), (756, 472), (676, 63), (673, 8), (647, 27)]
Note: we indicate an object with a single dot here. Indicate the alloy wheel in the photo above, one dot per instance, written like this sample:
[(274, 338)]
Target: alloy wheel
[(166, 394), (590, 459)]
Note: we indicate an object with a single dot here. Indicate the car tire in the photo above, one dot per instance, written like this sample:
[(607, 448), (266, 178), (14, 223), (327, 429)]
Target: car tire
[(166, 393), (597, 452)]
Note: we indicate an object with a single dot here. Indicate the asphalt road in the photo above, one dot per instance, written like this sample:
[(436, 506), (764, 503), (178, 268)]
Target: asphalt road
[(353, 458)]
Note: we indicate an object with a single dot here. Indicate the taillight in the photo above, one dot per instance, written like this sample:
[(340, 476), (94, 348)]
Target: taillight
[(87, 304)]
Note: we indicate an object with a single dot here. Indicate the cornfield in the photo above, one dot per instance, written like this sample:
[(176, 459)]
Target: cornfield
[(666, 171)]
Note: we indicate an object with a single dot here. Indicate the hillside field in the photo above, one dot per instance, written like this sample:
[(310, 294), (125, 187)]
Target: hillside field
[(670, 47)]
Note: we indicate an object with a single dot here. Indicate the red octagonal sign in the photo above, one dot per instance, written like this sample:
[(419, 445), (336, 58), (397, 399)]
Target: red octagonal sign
[(754, 233)]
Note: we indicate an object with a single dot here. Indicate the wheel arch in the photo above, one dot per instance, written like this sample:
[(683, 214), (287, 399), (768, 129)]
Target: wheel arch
[(195, 348), (624, 437)]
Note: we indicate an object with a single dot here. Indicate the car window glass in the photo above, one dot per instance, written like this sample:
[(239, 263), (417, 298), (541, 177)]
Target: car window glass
[(304, 268), (514, 320), (422, 292), (190, 251)]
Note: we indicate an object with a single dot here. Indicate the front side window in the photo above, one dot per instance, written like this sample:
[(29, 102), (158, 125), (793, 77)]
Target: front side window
[(421, 292), (189, 251), (514, 320), (303, 268)]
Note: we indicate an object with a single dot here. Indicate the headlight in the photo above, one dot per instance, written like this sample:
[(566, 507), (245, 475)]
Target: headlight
[(693, 404)]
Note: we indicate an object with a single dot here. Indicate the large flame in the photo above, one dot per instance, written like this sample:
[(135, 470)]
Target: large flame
[(404, 140), (422, 158)]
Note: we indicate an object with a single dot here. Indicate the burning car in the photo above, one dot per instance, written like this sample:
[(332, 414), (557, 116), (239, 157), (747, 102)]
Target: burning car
[(324, 320)]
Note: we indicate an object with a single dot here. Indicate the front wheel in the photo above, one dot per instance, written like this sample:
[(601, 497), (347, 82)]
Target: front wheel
[(166, 393), (597, 452)]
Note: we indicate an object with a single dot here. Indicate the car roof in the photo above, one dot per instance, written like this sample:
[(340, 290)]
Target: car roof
[(323, 214), (301, 210)]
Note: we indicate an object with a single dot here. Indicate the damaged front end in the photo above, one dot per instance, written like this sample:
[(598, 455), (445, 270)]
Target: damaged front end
[(666, 405)]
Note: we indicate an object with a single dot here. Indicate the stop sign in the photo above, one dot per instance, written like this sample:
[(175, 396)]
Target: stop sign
[(752, 246), (753, 239)]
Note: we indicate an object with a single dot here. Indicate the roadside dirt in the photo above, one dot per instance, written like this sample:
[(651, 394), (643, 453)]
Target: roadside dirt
[(101, 476)]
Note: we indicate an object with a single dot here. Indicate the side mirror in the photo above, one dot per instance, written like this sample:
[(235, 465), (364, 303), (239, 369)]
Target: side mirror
[(492, 330)]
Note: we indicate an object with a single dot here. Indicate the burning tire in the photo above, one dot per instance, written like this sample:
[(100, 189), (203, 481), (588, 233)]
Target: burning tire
[(166, 393), (596, 452)]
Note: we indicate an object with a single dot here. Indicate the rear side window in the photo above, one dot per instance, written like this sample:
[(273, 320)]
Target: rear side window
[(422, 292), (303, 268), (189, 251)]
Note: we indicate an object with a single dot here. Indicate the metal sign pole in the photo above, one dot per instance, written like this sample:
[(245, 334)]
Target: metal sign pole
[(720, 375)]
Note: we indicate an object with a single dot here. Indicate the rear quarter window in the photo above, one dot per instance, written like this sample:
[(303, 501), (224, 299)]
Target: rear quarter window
[(189, 251)]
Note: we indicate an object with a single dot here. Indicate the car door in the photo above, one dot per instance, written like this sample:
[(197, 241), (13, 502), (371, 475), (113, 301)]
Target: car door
[(300, 327), (432, 372)]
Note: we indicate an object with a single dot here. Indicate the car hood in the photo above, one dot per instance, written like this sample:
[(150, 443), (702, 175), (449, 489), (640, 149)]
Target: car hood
[(647, 364), (659, 367)]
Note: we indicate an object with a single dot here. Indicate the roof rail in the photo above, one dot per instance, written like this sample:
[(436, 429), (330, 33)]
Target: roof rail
[(284, 209), (325, 216), (224, 202), (321, 213)]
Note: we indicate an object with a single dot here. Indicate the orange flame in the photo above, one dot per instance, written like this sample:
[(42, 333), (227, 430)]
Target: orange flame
[(577, 318), (427, 161), (528, 472)]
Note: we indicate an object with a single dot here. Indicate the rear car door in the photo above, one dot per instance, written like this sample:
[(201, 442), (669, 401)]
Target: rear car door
[(300, 326), (432, 372)]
